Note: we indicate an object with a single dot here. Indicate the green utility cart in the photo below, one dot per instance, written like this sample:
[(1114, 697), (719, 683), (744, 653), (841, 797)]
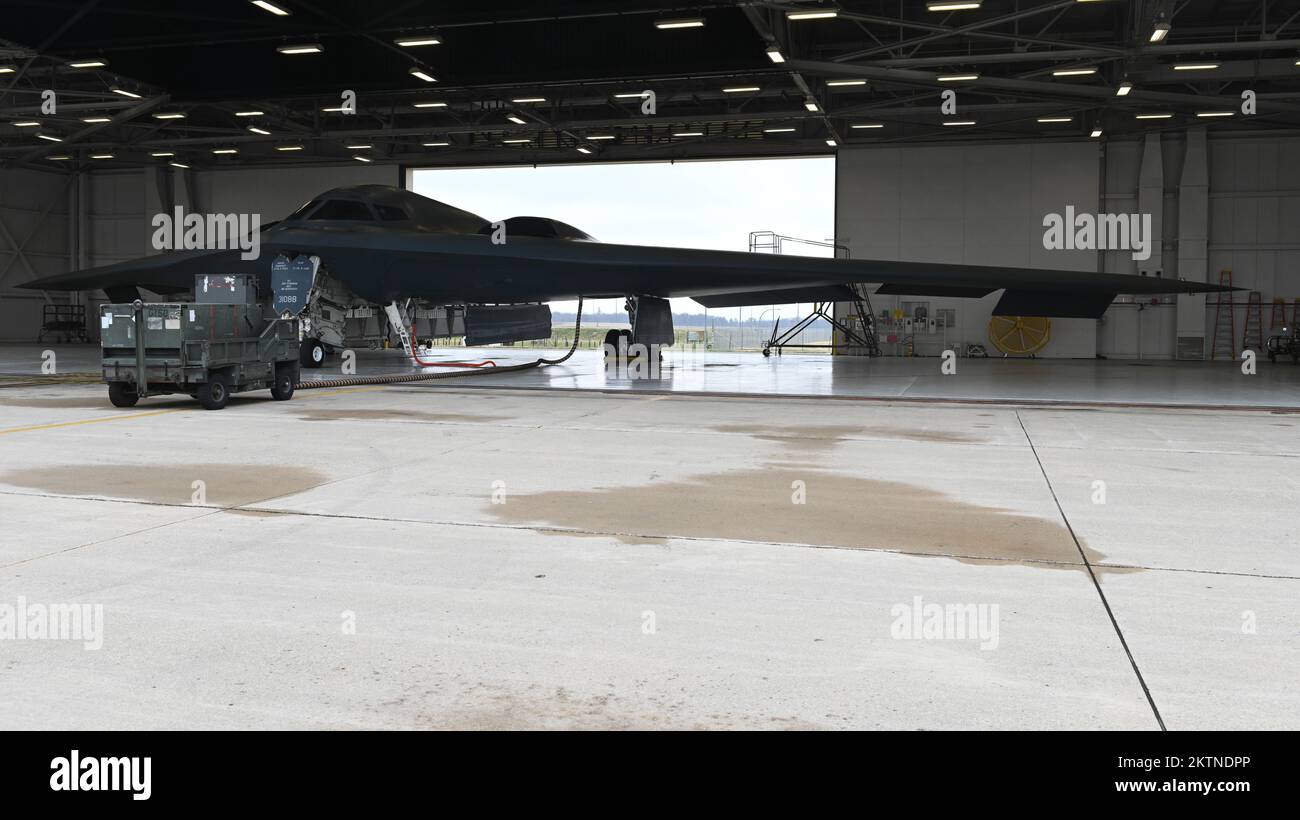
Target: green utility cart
[(206, 350)]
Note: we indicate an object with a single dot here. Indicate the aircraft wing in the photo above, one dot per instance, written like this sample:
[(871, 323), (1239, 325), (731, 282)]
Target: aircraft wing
[(381, 264)]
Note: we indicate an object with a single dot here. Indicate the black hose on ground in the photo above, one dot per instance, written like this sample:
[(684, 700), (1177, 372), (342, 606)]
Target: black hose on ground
[(399, 378)]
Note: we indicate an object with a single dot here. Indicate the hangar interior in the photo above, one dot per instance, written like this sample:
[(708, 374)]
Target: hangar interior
[(979, 487)]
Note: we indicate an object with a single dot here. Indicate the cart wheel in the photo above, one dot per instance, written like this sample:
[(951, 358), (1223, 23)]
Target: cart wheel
[(282, 390), (767, 352), (313, 353), (121, 395), (214, 393)]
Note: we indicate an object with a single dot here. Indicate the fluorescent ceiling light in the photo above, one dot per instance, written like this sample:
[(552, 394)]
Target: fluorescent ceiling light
[(8, 68), (1056, 119), (249, 113), (630, 95), (594, 137), (518, 141), (431, 105), (101, 156), (582, 149), (124, 93), (832, 143), (257, 130), (271, 7), (335, 110), (685, 22), (359, 146), (741, 89), (59, 157), (1124, 88), (689, 134), (225, 150), (416, 42), (435, 144), (1158, 33), (95, 120), (812, 14), (26, 124), (868, 125), (526, 100), (957, 78), (302, 48), (1196, 66), (169, 115), (161, 154), (1216, 113), (1153, 116), (288, 147), (48, 137), (811, 105), (960, 122), (96, 63), (777, 130), (1073, 72), (178, 165), (953, 5), (774, 54), (517, 120), (360, 158), (839, 83), (422, 75), (1096, 132)]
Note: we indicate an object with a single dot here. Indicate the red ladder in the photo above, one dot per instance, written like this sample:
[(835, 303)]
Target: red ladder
[(1252, 333), (1225, 329)]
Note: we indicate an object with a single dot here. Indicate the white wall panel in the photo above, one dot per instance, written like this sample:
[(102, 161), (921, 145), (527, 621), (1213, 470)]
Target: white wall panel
[(980, 204)]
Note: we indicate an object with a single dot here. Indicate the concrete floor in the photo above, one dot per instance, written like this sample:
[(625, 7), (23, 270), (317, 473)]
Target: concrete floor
[(648, 567)]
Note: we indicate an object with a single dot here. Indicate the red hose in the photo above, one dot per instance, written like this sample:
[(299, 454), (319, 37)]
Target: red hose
[(416, 357)]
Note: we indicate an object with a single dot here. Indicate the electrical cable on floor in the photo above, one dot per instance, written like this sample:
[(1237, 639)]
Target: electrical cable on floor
[(400, 378)]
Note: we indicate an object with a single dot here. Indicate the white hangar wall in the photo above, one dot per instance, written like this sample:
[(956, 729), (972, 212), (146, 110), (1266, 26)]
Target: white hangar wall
[(967, 204), (984, 204)]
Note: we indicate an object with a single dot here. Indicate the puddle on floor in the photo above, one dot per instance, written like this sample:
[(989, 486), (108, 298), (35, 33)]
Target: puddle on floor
[(387, 414), (224, 484), (817, 437), (840, 511)]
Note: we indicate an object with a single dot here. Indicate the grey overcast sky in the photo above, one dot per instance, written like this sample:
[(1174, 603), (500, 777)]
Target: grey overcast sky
[(710, 205)]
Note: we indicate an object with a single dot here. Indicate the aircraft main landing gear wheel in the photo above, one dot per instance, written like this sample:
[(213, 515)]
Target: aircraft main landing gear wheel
[(313, 353)]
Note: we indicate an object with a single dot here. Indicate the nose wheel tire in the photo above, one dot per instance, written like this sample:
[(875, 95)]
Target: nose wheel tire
[(313, 353)]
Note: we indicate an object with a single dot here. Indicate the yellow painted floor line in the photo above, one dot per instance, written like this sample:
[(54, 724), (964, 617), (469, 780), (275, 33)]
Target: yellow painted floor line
[(90, 421)]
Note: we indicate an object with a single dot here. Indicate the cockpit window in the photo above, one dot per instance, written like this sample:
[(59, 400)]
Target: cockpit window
[(343, 209), (391, 213), (301, 212)]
